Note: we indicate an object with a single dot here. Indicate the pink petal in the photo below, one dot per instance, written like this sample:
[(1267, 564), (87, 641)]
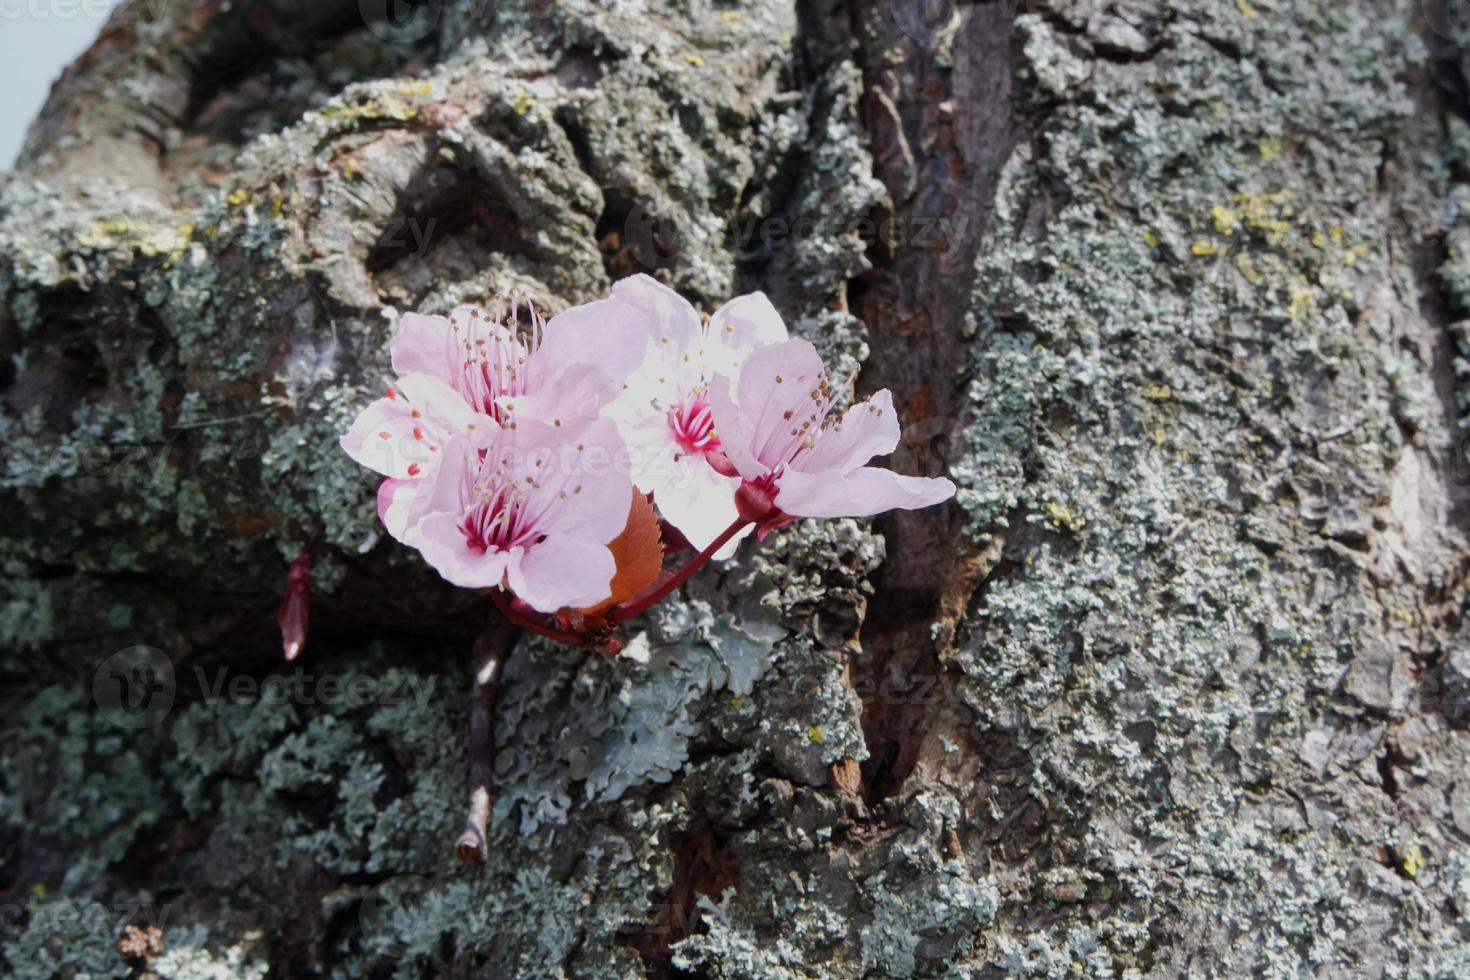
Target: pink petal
[(734, 430), (577, 393), (868, 429), (448, 485), (672, 320), (860, 492), (443, 546), (563, 571), (775, 394), (609, 333), (745, 324), (583, 488), (425, 344)]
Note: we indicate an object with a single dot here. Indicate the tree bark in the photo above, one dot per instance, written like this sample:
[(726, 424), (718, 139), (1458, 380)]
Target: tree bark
[(1177, 686)]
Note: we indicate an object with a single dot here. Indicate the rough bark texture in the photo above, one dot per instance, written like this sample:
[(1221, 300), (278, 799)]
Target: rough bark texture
[(1179, 685)]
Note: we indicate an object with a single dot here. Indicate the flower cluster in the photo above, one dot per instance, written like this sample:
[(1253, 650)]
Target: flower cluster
[(525, 459)]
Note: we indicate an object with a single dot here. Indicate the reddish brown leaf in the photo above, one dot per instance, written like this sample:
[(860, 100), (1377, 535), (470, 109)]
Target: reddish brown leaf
[(639, 554)]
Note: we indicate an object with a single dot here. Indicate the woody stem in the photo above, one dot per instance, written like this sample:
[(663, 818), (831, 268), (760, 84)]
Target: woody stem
[(537, 626), (492, 650), (649, 598)]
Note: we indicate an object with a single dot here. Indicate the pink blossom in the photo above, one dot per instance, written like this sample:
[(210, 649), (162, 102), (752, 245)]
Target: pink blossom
[(476, 368), (532, 506), (794, 457), (664, 413)]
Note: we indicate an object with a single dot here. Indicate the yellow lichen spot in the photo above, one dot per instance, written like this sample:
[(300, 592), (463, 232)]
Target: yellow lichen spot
[(1225, 219), (1413, 861), (1158, 393), (1150, 239), (1303, 301), (1403, 615), (1336, 234), (1351, 256), (1248, 268), (1269, 148), (238, 197), (1159, 436), (522, 102), (696, 60), (1062, 516), (278, 206), (1247, 12), (816, 734), (730, 17), (423, 88), (1318, 241), (1203, 249), (737, 702), (352, 170)]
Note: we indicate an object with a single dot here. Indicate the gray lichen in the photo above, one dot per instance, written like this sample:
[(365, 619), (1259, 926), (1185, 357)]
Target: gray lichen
[(1200, 712)]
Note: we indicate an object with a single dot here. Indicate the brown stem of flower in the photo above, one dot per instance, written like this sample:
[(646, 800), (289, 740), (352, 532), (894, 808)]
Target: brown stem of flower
[(660, 591), (492, 650)]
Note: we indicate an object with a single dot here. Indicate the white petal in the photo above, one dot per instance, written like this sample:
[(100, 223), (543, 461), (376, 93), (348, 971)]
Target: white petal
[(698, 501), (382, 439), (443, 410), (743, 325)]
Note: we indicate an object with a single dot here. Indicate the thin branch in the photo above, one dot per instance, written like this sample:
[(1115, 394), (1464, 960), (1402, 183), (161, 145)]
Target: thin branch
[(492, 651), (540, 627)]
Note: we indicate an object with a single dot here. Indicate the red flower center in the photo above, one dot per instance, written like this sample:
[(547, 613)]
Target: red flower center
[(693, 426)]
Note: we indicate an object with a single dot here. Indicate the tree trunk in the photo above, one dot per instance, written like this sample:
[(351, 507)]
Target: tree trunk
[(1176, 686)]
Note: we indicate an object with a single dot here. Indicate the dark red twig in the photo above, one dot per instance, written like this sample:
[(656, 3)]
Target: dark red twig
[(524, 620), (492, 651)]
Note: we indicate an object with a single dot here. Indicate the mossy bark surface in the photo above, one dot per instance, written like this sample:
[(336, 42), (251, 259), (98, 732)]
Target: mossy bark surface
[(1178, 685)]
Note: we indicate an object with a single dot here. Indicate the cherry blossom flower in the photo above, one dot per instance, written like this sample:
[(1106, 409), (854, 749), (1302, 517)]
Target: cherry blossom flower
[(475, 367), (795, 458), (664, 414), (532, 506)]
